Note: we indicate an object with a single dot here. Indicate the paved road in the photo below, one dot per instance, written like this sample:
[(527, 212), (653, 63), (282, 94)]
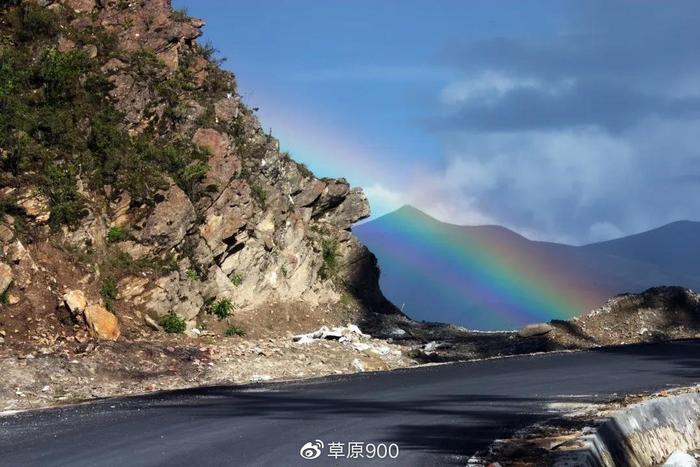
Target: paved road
[(436, 415)]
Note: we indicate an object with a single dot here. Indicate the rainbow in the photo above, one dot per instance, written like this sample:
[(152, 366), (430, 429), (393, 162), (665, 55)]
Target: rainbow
[(492, 284), (481, 281), (327, 150)]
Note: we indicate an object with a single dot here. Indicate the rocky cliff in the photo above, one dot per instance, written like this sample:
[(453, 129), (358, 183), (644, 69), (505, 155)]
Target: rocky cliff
[(137, 185)]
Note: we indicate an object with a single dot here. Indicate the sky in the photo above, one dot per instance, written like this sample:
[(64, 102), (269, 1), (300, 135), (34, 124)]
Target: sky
[(570, 121)]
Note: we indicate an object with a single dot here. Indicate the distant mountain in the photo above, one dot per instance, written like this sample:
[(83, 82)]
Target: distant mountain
[(489, 277)]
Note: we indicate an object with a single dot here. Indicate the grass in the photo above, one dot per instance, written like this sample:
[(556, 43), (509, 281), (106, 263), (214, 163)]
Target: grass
[(173, 324), (194, 275), (222, 308), (330, 255), (115, 235), (234, 331), (180, 15), (108, 290), (237, 278)]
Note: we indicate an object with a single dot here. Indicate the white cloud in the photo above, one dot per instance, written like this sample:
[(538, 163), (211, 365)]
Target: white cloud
[(572, 186), (487, 85)]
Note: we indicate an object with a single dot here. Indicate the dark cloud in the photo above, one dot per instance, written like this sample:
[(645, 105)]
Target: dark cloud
[(603, 104), (617, 63)]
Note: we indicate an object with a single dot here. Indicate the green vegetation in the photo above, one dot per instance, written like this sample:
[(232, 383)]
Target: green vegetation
[(179, 15), (303, 169), (236, 278), (234, 331), (121, 264), (193, 274), (115, 234), (222, 308), (259, 194), (58, 124), (347, 299), (108, 290), (329, 253), (33, 23), (5, 296), (190, 175), (173, 324)]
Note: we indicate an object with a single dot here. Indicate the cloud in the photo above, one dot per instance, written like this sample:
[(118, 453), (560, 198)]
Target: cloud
[(579, 136), (616, 64), (611, 106)]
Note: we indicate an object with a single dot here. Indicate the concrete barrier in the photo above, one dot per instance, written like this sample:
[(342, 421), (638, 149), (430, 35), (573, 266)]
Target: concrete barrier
[(641, 435)]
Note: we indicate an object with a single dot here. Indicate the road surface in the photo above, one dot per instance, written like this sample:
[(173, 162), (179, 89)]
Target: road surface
[(436, 415)]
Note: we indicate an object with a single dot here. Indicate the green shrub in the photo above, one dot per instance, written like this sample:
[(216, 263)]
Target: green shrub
[(329, 253), (237, 278), (259, 194), (32, 22), (190, 175), (60, 187), (108, 289), (173, 324), (115, 234), (234, 331), (222, 308), (193, 274)]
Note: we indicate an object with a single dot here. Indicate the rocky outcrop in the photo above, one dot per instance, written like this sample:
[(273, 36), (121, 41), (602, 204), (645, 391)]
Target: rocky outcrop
[(204, 208)]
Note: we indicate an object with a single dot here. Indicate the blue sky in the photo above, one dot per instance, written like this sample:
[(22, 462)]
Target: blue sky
[(564, 120)]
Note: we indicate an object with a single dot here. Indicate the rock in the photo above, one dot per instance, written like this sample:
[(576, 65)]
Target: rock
[(75, 301), (102, 323), (534, 330), (260, 378), (337, 333), (170, 220), (151, 323), (223, 165), (81, 6), (680, 459), (34, 204), (226, 109), (6, 277), (432, 346), (6, 234), (131, 287), (357, 365), (173, 293), (354, 207)]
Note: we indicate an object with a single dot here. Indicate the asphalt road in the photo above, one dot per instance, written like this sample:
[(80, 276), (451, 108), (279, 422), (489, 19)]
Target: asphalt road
[(436, 415)]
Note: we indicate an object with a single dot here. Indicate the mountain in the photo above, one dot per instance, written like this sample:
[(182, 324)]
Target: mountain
[(138, 191), (490, 278)]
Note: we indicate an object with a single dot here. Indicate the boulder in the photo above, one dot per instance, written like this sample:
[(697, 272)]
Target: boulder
[(102, 323), (534, 330), (6, 277), (75, 301)]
